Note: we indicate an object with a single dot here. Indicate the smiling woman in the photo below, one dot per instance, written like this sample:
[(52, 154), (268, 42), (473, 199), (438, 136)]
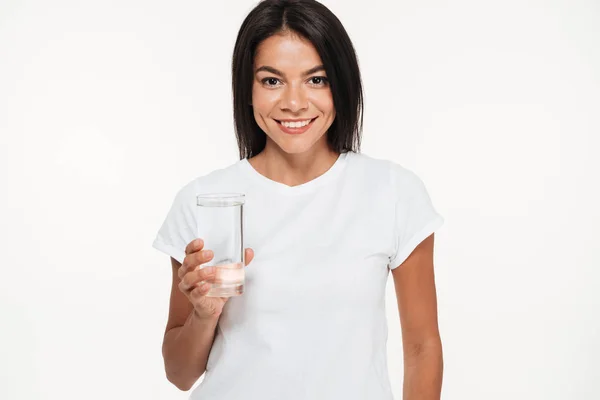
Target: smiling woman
[(294, 61), (326, 222), (291, 94), (297, 105)]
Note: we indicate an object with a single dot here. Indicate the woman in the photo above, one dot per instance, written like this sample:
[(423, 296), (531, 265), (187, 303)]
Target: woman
[(327, 225)]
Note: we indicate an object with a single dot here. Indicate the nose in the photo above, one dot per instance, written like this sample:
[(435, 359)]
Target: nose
[(294, 99)]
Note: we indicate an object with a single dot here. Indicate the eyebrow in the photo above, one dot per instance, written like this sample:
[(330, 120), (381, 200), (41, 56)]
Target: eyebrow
[(272, 70)]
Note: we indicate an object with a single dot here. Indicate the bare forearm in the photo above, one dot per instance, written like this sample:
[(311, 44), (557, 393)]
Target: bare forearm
[(186, 349), (423, 371)]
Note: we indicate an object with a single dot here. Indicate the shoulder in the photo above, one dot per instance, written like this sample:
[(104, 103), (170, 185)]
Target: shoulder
[(399, 178)]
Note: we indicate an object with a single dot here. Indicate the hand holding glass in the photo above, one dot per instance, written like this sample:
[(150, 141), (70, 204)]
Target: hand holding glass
[(220, 222)]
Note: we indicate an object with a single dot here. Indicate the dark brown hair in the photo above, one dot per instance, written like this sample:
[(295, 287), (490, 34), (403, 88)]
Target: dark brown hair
[(313, 21)]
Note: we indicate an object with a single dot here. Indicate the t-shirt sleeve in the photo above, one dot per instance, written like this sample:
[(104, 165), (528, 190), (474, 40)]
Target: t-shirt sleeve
[(179, 226), (415, 216)]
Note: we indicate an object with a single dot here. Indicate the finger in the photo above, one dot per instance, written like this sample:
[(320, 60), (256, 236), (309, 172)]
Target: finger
[(200, 290), (193, 246), (249, 255), (191, 261), (191, 279), (198, 297)]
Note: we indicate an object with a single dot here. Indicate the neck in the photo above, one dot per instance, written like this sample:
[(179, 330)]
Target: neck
[(293, 169)]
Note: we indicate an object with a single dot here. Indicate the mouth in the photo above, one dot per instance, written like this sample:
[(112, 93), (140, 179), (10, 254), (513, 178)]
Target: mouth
[(295, 127)]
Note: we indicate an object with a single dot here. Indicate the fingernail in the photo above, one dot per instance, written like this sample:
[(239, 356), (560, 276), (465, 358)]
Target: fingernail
[(210, 270), (207, 253)]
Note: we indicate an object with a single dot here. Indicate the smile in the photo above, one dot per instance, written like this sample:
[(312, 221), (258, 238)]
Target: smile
[(295, 127)]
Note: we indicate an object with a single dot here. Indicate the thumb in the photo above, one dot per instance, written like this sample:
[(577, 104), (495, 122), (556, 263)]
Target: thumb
[(249, 255)]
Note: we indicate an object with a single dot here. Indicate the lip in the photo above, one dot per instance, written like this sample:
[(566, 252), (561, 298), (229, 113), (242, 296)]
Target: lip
[(294, 131)]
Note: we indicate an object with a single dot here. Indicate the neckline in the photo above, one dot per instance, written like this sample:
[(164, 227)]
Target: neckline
[(305, 187)]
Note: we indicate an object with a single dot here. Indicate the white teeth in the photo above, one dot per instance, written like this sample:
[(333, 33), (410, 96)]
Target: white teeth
[(298, 124)]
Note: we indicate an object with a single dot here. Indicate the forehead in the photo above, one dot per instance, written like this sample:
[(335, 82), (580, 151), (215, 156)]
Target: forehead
[(287, 52)]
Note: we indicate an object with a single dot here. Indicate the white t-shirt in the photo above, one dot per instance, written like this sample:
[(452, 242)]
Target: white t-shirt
[(311, 323)]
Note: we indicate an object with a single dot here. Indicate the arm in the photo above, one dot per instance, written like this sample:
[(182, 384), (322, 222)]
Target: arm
[(417, 305), (188, 338)]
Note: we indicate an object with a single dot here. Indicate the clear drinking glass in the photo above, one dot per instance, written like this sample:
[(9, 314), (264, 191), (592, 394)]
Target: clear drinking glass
[(220, 222)]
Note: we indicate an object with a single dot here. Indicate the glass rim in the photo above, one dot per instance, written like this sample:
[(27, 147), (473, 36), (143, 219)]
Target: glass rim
[(220, 199)]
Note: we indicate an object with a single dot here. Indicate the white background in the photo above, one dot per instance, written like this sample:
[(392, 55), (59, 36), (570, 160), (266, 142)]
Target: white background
[(107, 108)]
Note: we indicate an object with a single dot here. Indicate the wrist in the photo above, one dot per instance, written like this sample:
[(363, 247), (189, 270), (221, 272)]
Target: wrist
[(205, 318)]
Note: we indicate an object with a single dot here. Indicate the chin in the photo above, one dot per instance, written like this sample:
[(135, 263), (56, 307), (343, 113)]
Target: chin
[(295, 148)]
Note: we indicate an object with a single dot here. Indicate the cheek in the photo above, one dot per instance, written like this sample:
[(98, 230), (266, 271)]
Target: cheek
[(323, 101), (263, 103), (263, 100)]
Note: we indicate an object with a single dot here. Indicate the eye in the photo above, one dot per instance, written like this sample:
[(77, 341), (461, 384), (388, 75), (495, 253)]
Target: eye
[(269, 81), (318, 80)]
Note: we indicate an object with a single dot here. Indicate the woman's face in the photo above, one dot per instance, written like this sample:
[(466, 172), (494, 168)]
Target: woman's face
[(290, 89)]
